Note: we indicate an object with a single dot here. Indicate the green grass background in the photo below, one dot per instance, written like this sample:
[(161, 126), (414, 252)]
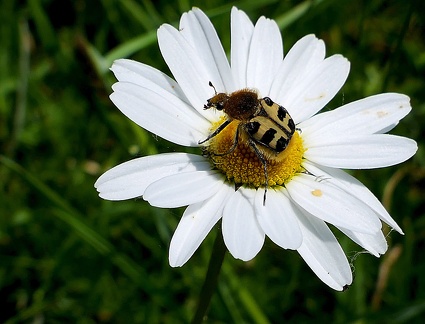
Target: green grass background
[(67, 256)]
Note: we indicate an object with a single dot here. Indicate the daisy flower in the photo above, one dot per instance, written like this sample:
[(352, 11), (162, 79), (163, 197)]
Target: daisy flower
[(306, 188)]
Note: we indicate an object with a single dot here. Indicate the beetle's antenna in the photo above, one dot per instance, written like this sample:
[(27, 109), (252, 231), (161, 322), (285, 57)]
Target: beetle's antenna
[(211, 85)]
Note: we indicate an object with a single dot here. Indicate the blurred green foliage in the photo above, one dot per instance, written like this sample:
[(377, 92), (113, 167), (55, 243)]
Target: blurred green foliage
[(68, 256)]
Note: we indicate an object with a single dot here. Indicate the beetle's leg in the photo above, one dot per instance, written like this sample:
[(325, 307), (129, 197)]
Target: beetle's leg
[(216, 132), (235, 141), (234, 145), (264, 162)]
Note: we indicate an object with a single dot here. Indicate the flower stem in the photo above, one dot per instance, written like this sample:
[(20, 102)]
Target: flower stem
[(211, 279)]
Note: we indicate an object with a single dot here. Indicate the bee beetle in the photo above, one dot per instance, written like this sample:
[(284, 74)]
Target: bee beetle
[(268, 126)]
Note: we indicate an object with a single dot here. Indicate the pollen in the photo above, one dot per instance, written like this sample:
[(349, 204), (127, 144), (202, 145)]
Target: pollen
[(242, 165)]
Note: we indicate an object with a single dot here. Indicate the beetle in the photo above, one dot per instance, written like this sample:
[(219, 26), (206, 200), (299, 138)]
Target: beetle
[(268, 125)]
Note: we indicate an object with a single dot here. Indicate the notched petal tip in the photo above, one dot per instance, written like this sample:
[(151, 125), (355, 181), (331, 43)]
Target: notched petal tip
[(323, 254)]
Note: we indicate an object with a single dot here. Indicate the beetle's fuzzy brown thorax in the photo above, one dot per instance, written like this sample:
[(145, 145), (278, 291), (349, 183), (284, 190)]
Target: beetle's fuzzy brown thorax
[(240, 105)]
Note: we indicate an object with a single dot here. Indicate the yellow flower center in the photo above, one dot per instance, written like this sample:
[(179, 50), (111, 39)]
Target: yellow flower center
[(244, 167)]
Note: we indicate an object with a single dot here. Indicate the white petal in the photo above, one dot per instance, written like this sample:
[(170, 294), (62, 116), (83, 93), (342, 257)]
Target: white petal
[(360, 152), (333, 205), (265, 55), (241, 34), (130, 179), (278, 219), (146, 76), (200, 33), (306, 54), (161, 113), (375, 243), (323, 254), (187, 67), (317, 88), (242, 234), (197, 221), (183, 188), (362, 117), (354, 187)]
